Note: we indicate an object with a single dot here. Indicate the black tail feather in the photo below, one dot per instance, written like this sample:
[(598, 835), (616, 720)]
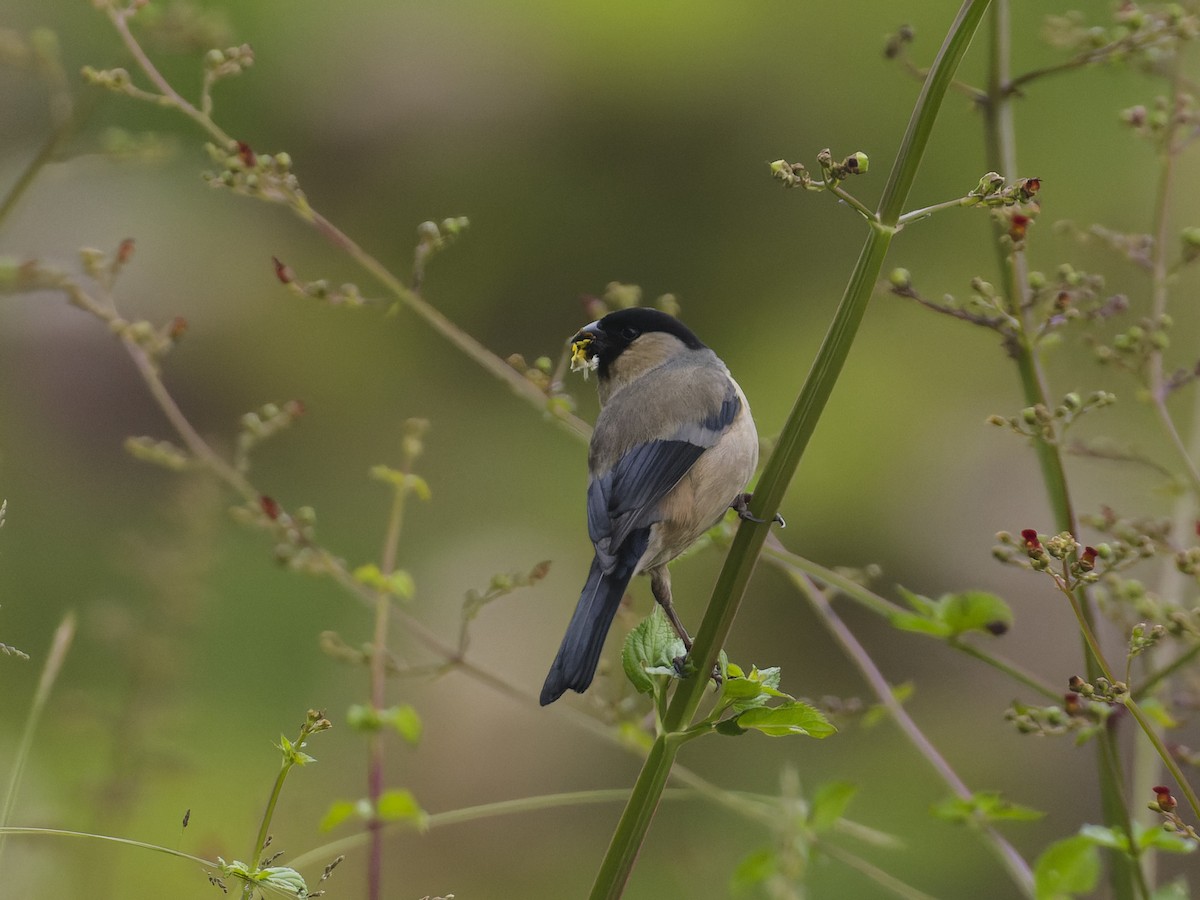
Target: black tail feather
[(579, 653)]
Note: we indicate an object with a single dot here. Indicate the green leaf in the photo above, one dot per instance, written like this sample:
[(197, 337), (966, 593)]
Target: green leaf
[(984, 806), (786, 719), (829, 803), (283, 878), (652, 644), (952, 614), (339, 812), (406, 722), (1103, 836), (400, 805), (926, 607), (743, 691), (729, 727), (975, 611), (755, 868), (1066, 869)]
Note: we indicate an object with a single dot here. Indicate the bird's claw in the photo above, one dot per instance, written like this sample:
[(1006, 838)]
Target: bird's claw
[(741, 506), (680, 664)]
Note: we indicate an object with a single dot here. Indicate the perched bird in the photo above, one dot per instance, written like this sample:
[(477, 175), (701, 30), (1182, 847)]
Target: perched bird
[(673, 448)]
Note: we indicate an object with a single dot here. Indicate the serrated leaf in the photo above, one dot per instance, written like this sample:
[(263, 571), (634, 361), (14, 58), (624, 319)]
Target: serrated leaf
[(829, 803), (753, 869), (787, 719), (283, 878), (1066, 869), (652, 643)]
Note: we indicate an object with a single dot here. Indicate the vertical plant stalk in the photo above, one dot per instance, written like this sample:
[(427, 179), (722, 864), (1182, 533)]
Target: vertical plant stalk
[(59, 646), (1001, 149), (731, 584), (379, 654)]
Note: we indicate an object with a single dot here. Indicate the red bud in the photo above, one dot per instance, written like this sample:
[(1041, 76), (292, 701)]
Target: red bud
[(269, 507)]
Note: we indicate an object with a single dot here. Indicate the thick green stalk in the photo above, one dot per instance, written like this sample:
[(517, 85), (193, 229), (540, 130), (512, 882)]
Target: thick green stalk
[(1000, 141), (731, 585)]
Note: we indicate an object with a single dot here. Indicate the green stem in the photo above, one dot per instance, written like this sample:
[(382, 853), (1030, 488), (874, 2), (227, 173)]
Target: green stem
[(748, 542), (61, 643), (264, 828), (1164, 754), (635, 820), (28, 831), (1001, 148)]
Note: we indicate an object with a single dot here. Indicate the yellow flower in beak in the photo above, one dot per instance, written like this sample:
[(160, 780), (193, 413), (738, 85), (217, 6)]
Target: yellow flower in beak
[(581, 361)]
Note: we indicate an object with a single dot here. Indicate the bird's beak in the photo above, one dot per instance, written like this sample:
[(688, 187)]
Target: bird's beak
[(583, 351)]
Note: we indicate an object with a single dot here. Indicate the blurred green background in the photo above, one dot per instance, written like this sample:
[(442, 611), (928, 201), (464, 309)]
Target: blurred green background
[(588, 143)]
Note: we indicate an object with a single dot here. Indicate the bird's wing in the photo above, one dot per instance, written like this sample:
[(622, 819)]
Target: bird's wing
[(625, 498)]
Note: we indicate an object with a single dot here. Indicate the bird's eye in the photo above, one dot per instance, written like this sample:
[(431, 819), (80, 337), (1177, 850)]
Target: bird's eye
[(629, 333)]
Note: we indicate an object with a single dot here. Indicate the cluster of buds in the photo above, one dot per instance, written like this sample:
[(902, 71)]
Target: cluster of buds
[(833, 171), (1131, 348), (540, 373), (435, 235), (346, 295), (160, 453), (1049, 424), (1188, 561), (1101, 689), (116, 79), (1040, 554), (1165, 804), (263, 423), (1141, 34), (1142, 637), (227, 62), (837, 171), (296, 533), (264, 175), (1163, 116), (1074, 716), (993, 191)]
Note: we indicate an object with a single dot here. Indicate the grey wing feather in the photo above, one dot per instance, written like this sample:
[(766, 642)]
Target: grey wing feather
[(625, 498)]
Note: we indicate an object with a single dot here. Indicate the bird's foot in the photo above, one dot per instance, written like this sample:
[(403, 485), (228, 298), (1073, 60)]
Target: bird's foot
[(680, 664), (741, 506)]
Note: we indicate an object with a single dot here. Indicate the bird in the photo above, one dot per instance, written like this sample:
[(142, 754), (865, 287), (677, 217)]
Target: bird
[(673, 448)]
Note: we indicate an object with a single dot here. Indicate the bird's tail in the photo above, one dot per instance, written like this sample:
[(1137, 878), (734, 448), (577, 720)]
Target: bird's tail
[(579, 653)]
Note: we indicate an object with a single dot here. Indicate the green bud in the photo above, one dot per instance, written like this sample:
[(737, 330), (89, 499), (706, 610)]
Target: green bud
[(901, 279), (1037, 281), (858, 162), (214, 58)]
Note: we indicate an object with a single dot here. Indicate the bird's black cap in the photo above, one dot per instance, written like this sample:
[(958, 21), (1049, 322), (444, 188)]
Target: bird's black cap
[(612, 334)]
